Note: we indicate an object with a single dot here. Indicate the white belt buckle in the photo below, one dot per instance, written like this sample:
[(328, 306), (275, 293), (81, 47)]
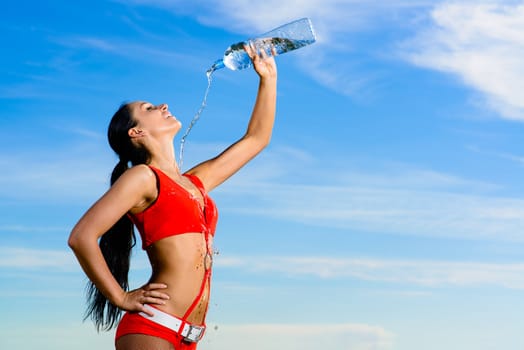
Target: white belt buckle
[(192, 333)]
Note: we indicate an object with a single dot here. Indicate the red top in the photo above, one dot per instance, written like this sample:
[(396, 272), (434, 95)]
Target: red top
[(175, 211)]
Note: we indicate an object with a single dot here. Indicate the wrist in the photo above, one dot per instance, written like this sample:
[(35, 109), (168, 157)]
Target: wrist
[(268, 80), (118, 298)]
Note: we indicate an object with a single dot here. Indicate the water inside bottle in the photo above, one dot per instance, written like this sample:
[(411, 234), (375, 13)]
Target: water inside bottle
[(209, 74), (281, 45), (236, 57)]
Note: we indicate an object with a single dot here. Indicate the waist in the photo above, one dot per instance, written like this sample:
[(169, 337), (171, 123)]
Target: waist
[(189, 293), (183, 263)]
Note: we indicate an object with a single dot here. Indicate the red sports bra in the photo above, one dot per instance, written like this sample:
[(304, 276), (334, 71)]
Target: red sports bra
[(175, 211)]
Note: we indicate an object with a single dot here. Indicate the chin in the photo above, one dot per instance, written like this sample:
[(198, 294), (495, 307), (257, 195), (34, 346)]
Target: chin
[(177, 127)]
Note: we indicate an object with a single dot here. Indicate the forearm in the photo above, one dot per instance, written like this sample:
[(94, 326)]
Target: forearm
[(95, 267), (262, 119)]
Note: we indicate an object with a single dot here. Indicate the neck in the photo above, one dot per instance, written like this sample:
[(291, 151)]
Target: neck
[(163, 157)]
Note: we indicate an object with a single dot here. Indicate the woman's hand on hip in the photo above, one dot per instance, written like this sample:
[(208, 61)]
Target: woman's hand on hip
[(150, 293)]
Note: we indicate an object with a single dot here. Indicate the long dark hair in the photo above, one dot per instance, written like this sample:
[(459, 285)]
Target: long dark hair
[(117, 242)]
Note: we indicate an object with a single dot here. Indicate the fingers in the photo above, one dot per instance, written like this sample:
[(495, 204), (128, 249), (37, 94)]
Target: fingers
[(148, 294), (262, 58), (151, 295), (263, 54), (256, 52), (151, 286), (251, 50)]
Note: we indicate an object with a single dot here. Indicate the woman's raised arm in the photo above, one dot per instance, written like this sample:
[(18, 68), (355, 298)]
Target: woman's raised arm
[(258, 134)]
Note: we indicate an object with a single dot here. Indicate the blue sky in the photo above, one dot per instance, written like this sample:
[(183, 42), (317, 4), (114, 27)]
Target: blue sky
[(387, 213)]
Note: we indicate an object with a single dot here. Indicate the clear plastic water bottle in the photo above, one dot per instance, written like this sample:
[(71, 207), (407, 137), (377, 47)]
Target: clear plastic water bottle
[(288, 37)]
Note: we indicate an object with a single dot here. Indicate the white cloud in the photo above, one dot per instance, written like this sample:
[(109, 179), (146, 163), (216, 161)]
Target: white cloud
[(80, 171), (133, 51), (334, 21), (482, 44), (478, 41), (414, 272), (32, 229), (385, 201), (405, 211), (50, 336), (298, 336), (82, 132), (390, 199), (247, 16), (518, 159), (424, 273), (29, 258)]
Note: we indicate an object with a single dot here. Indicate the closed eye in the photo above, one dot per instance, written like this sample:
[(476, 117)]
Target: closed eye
[(147, 106)]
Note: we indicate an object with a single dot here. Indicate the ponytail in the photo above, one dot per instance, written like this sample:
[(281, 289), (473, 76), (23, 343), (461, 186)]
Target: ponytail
[(119, 169), (116, 244)]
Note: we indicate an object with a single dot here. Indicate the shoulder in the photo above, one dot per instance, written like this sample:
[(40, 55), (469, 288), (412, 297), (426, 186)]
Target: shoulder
[(139, 185), (141, 172), (138, 177)]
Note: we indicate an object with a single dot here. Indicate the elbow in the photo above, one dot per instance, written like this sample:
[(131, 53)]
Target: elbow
[(264, 142), (74, 241), (257, 142), (260, 145), (263, 145)]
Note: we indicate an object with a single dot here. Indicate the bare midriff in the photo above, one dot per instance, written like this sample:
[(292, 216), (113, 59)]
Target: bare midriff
[(181, 262)]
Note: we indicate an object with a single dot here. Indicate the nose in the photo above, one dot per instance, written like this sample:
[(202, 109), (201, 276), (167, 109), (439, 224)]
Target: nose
[(163, 107)]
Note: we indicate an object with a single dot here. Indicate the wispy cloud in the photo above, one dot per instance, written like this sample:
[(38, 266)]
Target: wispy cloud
[(55, 334), (403, 211), (159, 53), (390, 199), (411, 272), (34, 229), (300, 336), (332, 14), (503, 155), (78, 172), (480, 42), (425, 273), (335, 22), (28, 258)]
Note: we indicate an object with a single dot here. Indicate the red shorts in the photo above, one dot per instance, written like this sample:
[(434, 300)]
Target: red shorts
[(133, 323)]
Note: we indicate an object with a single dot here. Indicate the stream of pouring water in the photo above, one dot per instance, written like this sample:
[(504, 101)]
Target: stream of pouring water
[(209, 74)]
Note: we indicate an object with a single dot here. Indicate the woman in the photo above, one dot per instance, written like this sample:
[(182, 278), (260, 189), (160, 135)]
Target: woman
[(175, 217)]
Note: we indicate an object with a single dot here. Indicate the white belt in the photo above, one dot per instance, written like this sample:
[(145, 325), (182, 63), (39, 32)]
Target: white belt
[(189, 332)]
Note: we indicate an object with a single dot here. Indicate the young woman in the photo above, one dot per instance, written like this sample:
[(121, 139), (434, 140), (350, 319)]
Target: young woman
[(175, 218)]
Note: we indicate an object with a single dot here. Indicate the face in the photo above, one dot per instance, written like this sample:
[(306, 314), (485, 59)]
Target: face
[(153, 119)]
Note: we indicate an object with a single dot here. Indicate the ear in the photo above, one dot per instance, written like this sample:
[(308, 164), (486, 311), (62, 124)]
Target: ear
[(135, 132)]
